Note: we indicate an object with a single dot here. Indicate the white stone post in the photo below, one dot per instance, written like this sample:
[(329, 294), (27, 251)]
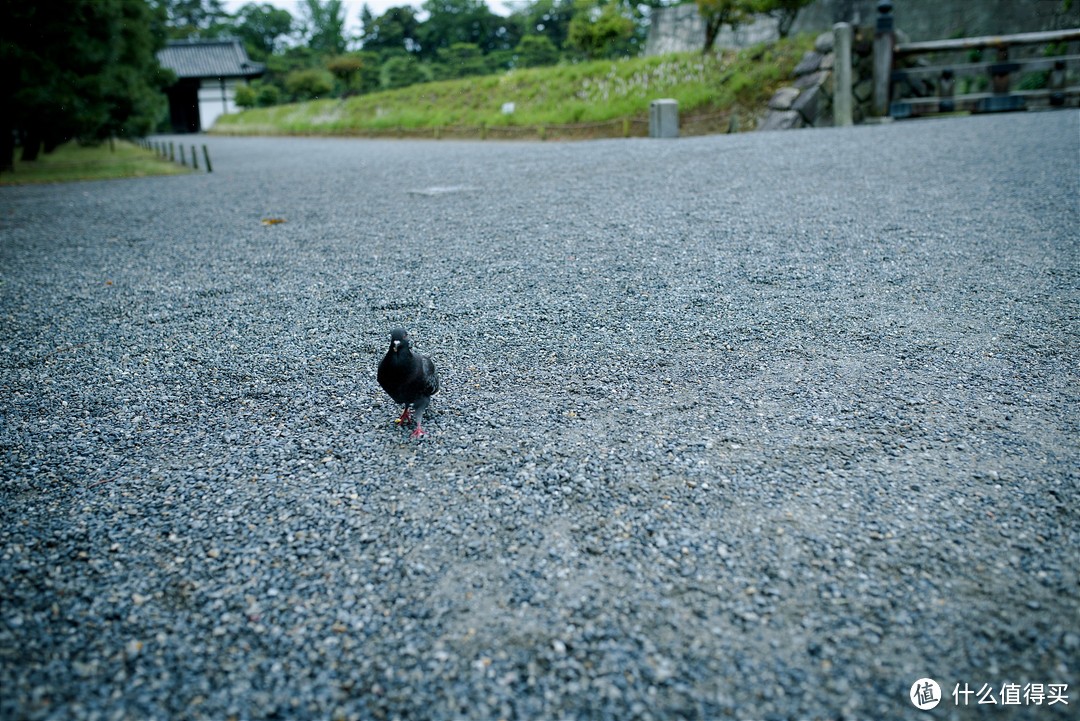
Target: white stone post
[(664, 118), (842, 102)]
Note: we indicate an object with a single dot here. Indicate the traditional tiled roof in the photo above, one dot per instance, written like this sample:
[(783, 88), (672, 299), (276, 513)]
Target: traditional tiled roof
[(225, 58)]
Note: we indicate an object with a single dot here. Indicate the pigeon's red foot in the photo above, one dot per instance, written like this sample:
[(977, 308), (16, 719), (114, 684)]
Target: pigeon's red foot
[(405, 417), (418, 433)]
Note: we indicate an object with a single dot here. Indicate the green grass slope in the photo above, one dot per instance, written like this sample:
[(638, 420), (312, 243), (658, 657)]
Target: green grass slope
[(72, 161), (583, 99)]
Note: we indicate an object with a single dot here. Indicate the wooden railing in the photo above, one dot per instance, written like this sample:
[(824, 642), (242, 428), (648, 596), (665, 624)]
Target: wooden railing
[(904, 90)]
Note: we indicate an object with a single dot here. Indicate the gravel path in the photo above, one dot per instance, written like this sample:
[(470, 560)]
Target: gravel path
[(754, 427)]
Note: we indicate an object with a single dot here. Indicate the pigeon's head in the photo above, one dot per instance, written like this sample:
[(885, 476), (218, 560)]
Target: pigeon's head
[(399, 340)]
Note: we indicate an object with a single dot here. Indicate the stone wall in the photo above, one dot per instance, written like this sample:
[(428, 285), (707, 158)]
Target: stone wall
[(807, 102), (679, 28)]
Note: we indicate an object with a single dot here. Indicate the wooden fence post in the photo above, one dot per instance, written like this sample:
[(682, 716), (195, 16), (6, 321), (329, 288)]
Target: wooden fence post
[(884, 41), (1056, 81), (946, 89), (183, 159), (206, 156), (194, 158)]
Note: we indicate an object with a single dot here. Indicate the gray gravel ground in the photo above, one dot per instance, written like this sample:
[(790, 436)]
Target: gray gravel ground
[(754, 427)]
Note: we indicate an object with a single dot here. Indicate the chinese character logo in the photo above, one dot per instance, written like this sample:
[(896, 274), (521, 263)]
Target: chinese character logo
[(925, 694)]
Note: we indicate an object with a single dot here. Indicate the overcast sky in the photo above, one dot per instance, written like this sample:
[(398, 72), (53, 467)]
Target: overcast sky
[(352, 8)]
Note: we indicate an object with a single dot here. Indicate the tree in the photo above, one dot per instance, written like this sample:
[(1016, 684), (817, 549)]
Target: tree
[(549, 18), (401, 71), (324, 26), (458, 21), (261, 27), (349, 71), (190, 18), (267, 95), (536, 50), (784, 11), (596, 30), (309, 84), (132, 80), (461, 60), (80, 69), (717, 13), (394, 32), (245, 96)]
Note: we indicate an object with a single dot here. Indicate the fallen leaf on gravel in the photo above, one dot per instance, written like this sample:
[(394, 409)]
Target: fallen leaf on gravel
[(272, 221)]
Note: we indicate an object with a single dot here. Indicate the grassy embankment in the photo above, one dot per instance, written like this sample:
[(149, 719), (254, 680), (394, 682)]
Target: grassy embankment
[(72, 161), (716, 93)]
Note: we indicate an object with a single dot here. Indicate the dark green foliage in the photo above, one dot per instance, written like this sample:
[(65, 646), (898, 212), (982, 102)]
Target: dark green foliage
[(549, 18), (245, 96), (190, 18), (267, 95), (309, 84), (395, 31), (261, 27), (536, 50), (80, 69), (461, 60), (1034, 81), (600, 29), (401, 71), (324, 26), (452, 22), (346, 70)]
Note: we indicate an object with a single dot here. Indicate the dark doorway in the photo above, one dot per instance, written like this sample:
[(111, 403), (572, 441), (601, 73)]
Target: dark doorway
[(184, 106)]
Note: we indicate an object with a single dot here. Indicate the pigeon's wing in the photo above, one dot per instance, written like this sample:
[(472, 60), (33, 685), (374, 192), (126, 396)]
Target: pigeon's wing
[(430, 377)]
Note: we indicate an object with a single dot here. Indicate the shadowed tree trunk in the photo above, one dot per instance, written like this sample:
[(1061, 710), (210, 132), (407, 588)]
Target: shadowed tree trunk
[(7, 148), (31, 146)]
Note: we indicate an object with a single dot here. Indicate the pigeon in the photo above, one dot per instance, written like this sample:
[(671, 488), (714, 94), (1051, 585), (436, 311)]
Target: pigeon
[(408, 378)]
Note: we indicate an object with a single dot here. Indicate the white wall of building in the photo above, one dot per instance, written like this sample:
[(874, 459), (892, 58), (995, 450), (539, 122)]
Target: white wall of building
[(216, 99)]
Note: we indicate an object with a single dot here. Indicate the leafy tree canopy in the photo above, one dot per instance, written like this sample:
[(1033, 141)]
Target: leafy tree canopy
[(81, 69)]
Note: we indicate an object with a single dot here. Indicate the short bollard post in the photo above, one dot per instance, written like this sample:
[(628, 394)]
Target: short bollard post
[(194, 158), (172, 152), (206, 157), (664, 118), (183, 160)]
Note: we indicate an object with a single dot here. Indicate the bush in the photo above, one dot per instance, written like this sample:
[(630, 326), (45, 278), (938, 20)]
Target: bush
[(536, 50), (402, 71), (309, 84), (347, 69), (462, 60), (267, 95), (245, 96)]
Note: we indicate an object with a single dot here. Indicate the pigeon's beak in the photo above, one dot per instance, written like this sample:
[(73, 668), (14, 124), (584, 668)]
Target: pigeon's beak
[(396, 344)]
